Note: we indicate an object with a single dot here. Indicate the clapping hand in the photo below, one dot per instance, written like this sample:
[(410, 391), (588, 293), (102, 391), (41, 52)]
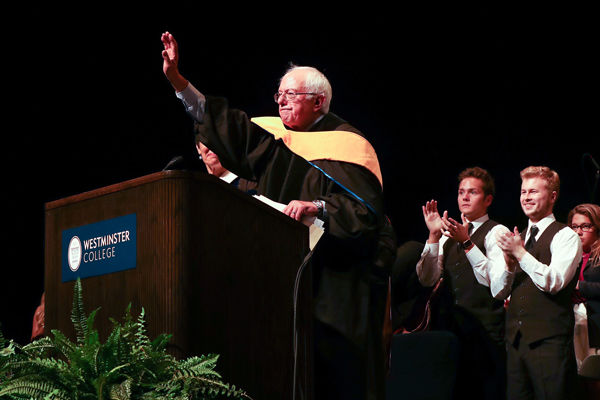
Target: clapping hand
[(455, 230), (433, 220), (512, 246)]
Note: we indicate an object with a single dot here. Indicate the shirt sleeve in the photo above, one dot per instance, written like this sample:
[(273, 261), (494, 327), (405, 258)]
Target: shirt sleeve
[(566, 254), (490, 268), (430, 265), (193, 101)]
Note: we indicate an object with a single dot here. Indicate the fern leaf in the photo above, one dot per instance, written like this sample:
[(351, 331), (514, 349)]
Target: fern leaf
[(182, 372), (208, 360), (42, 369), (127, 318), (63, 344), (140, 335), (92, 356), (213, 388), (3, 341), (161, 341), (33, 388), (23, 366), (108, 355), (92, 334), (39, 347), (78, 316), (9, 350), (198, 366)]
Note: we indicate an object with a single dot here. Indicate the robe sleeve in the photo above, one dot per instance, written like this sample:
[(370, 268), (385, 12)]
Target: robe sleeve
[(241, 146)]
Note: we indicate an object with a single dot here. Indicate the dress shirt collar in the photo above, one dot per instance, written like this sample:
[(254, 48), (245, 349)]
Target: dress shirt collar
[(478, 222), (541, 224)]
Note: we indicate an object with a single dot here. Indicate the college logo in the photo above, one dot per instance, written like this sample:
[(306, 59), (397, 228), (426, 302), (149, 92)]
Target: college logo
[(74, 253)]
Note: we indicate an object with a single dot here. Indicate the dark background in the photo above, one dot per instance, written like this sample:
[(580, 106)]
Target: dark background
[(435, 88)]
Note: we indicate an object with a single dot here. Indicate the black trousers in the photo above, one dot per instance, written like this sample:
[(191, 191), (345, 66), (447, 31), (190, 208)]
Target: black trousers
[(543, 370), (481, 370), (339, 369)]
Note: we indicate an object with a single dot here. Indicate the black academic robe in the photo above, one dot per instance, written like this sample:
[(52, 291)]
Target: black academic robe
[(344, 259)]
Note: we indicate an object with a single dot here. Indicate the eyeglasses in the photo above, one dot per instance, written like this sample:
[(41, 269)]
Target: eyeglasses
[(584, 227), (289, 94)]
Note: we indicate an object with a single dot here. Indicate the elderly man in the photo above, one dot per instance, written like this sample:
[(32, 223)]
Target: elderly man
[(539, 321), (319, 165)]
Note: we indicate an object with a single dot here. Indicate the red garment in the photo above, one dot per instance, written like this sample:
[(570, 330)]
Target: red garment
[(577, 297), (584, 260), (37, 329)]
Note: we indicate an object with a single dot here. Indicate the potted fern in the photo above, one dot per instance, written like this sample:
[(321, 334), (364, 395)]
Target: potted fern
[(127, 366)]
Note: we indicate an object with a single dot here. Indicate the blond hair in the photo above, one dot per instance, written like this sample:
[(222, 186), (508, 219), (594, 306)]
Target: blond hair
[(545, 173)]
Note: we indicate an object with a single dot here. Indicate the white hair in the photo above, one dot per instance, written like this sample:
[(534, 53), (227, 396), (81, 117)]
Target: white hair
[(315, 82)]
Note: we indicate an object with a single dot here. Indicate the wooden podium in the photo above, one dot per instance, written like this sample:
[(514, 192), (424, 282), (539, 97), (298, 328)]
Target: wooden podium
[(213, 266)]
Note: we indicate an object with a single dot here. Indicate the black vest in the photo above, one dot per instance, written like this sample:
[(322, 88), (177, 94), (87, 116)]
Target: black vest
[(465, 305), (533, 312)]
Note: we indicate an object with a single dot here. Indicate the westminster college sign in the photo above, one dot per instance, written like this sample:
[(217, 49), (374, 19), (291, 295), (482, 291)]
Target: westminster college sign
[(100, 248)]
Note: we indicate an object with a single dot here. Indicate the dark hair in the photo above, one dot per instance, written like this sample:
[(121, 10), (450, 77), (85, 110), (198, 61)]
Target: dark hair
[(489, 188)]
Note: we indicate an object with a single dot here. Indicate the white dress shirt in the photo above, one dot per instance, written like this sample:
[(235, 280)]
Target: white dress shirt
[(193, 101), (490, 269), (228, 177), (566, 253)]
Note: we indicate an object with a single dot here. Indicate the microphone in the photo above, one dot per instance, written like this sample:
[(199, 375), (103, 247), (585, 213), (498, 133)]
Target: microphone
[(177, 162), (593, 162), (592, 186)]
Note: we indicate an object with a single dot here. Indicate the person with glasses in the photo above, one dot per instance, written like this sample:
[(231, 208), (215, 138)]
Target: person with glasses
[(318, 165), (584, 219), (539, 319)]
